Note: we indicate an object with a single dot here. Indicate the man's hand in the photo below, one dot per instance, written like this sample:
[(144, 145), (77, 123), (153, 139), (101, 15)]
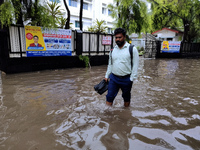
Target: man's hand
[(106, 79)]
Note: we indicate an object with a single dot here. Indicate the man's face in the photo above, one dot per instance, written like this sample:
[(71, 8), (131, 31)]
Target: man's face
[(120, 39), (35, 40)]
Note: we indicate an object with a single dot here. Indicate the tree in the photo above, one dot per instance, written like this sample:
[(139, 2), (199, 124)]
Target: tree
[(29, 11), (183, 14), (17, 4), (99, 27), (6, 12), (81, 15), (62, 22), (36, 14), (54, 11), (130, 15), (67, 25)]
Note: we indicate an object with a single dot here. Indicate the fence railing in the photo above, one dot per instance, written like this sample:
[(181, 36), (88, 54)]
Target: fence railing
[(150, 49), (92, 43), (190, 47), (153, 50)]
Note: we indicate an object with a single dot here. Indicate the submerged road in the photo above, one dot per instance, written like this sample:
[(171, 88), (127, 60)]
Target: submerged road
[(59, 109)]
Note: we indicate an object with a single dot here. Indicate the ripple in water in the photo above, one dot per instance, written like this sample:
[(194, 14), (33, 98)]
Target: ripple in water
[(60, 109)]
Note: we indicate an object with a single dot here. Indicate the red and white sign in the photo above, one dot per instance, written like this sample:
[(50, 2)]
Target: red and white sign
[(106, 40), (29, 36)]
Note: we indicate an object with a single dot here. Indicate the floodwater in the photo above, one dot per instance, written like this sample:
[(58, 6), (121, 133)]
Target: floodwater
[(59, 110)]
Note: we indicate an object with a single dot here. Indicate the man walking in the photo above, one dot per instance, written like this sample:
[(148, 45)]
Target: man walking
[(120, 70)]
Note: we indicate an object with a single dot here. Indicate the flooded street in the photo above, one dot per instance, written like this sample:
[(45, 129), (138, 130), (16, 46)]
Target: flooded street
[(59, 109)]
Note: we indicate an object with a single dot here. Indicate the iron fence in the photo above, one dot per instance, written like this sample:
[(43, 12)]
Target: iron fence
[(91, 43), (190, 47), (151, 49)]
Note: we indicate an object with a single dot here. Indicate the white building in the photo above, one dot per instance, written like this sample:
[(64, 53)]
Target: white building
[(92, 10), (167, 34)]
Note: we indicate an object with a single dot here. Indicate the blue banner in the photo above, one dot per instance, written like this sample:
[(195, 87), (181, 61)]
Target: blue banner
[(47, 42)]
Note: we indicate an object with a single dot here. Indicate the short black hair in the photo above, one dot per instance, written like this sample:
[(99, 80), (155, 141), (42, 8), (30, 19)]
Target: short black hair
[(120, 30), (36, 36)]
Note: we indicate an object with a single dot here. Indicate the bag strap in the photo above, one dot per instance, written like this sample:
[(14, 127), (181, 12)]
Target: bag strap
[(111, 54), (131, 54)]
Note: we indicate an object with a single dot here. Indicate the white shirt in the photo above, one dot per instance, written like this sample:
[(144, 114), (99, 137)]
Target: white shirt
[(121, 62)]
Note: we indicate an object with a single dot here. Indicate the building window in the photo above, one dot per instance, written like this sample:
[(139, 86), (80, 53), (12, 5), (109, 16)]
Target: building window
[(73, 3), (103, 10), (77, 24), (109, 11), (169, 39), (85, 6), (110, 30)]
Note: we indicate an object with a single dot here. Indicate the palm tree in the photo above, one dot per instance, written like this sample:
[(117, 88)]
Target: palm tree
[(53, 10), (99, 27), (62, 22)]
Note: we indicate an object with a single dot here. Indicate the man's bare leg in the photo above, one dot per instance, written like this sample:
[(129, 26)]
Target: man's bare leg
[(109, 103), (126, 104)]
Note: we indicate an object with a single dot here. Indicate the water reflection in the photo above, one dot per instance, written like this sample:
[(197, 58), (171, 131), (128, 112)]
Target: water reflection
[(59, 109)]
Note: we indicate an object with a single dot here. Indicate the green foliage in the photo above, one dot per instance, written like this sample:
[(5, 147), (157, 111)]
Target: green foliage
[(141, 53), (86, 60), (131, 15), (98, 27), (45, 16), (53, 10), (30, 11), (142, 49), (161, 17), (62, 22), (179, 38), (181, 14), (38, 16), (6, 13)]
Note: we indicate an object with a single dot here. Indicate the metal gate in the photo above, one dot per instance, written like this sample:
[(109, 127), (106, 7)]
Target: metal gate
[(150, 49)]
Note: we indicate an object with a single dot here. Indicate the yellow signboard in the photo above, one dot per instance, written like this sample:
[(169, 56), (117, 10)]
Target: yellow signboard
[(34, 39), (171, 46), (165, 45), (47, 42)]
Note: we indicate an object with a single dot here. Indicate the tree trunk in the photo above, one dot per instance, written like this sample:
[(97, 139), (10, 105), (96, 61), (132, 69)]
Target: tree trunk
[(81, 15), (118, 10), (186, 29), (67, 24)]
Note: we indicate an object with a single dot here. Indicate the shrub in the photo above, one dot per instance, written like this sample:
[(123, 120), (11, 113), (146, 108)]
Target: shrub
[(86, 60), (142, 49)]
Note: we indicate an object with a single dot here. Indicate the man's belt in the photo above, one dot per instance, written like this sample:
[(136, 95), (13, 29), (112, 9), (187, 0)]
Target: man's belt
[(128, 75)]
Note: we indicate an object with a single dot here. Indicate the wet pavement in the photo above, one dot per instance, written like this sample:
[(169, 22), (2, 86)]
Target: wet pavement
[(59, 110)]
